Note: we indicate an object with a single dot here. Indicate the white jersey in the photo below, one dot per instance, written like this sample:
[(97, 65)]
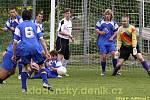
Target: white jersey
[(64, 26)]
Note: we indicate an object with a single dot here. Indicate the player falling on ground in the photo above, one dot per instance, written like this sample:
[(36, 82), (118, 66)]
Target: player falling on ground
[(106, 28), (52, 66), (63, 37), (127, 44), (30, 34)]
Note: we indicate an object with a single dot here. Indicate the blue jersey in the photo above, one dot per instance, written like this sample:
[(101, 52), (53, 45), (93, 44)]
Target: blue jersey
[(108, 27), (13, 22), (28, 33), (9, 49)]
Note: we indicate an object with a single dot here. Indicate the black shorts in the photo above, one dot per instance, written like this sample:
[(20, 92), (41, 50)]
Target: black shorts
[(126, 51), (62, 46)]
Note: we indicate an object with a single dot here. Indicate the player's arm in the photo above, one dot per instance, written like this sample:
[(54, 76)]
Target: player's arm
[(99, 32), (134, 38), (97, 29), (115, 31), (16, 39), (42, 41), (44, 46), (119, 41)]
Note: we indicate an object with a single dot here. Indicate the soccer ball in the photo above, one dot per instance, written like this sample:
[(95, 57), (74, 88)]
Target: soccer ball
[(61, 70)]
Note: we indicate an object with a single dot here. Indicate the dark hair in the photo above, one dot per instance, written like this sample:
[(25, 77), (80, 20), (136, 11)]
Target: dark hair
[(26, 15), (54, 53), (40, 12), (67, 10), (12, 7)]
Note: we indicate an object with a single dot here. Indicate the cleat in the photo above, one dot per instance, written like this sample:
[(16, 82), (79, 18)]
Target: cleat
[(19, 77), (24, 90), (49, 87), (118, 73), (102, 73)]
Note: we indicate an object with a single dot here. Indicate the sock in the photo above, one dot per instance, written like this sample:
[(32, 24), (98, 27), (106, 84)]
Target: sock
[(116, 70), (103, 64), (1, 81), (64, 62), (145, 65), (20, 67), (114, 61), (23, 79), (44, 76)]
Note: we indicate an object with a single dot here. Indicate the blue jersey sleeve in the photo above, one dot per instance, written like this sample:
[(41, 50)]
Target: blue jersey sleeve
[(39, 32), (17, 34)]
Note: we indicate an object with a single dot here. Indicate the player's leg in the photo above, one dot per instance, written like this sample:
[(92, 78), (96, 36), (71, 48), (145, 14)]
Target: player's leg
[(103, 55), (144, 63), (43, 73), (8, 67), (66, 55), (112, 49), (20, 65), (124, 55), (140, 57), (25, 60)]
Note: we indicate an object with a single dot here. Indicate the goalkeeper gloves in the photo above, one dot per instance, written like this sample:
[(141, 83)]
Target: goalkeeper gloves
[(134, 51)]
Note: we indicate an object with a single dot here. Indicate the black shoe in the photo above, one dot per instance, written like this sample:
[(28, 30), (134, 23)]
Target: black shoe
[(49, 87)]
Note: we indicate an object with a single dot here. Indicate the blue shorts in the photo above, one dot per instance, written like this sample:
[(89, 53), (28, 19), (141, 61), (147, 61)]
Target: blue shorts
[(7, 63), (106, 48), (37, 58)]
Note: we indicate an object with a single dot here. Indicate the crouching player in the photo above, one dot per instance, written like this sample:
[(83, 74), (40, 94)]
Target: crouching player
[(127, 44), (53, 67)]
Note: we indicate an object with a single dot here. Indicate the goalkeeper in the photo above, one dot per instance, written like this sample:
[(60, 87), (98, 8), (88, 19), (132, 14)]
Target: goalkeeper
[(127, 44)]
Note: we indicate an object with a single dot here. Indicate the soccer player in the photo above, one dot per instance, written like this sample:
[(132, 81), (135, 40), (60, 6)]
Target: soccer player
[(38, 20), (30, 34), (106, 28), (127, 44), (51, 66), (13, 21), (11, 24), (63, 37), (8, 65)]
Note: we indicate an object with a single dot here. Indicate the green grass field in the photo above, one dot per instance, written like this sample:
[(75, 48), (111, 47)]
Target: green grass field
[(82, 84)]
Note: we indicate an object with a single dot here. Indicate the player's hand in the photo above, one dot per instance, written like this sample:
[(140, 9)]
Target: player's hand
[(12, 29), (134, 51), (111, 39), (102, 32), (47, 55), (14, 58)]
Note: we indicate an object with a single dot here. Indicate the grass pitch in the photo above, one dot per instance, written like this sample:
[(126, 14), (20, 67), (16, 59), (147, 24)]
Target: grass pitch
[(82, 84)]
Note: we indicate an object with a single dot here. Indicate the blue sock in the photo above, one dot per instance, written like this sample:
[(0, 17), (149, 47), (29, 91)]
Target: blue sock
[(103, 64), (114, 61), (20, 67), (23, 79), (145, 65), (44, 76)]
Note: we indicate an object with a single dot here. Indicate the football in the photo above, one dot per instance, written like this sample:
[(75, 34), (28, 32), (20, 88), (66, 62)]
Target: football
[(62, 70)]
